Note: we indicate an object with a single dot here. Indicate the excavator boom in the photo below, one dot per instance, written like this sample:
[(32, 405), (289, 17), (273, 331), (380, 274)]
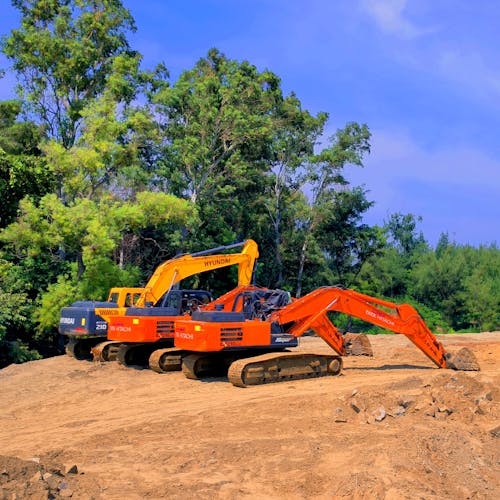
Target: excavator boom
[(174, 270), (402, 319)]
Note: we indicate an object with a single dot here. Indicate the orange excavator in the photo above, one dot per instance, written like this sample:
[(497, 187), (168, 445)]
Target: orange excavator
[(245, 332), (134, 333)]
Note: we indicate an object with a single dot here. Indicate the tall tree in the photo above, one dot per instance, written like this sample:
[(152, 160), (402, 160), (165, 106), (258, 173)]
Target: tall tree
[(345, 241), (216, 120), (62, 53), (295, 135), (403, 235), (216, 127), (325, 174)]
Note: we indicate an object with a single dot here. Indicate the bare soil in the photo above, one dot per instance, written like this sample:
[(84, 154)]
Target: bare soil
[(392, 426)]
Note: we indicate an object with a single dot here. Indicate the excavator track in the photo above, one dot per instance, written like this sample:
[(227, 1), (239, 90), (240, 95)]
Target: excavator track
[(196, 366), (106, 351), (272, 367), (463, 360), (80, 348), (357, 344), (166, 360), (139, 354)]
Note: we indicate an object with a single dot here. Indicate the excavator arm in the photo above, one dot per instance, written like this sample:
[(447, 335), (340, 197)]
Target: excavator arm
[(175, 270), (310, 312)]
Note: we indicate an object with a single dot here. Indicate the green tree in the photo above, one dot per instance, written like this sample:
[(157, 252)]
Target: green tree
[(63, 52), (344, 240), (295, 134), (91, 232), (325, 176), (22, 170), (107, 152), (15, 309), (439, 283), (482, 287), (402, 233), (216, 120), (216, 128)]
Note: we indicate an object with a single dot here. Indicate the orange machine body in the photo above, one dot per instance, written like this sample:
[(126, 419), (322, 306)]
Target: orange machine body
[(142, 328), (153, 324), (204, 336)]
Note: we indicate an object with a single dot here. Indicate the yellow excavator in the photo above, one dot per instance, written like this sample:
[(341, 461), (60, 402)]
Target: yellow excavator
[(85, 323)]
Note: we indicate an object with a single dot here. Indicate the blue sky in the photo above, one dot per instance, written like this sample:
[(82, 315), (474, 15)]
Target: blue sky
[(423, 74)]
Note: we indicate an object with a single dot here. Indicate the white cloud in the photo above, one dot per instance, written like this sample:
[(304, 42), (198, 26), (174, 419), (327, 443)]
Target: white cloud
[(460, 59), (390, 17), (400, 156), (454, 190), (470, 70)]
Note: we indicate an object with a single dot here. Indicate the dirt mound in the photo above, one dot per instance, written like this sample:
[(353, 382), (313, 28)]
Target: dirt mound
[(453, 396), (391, 426), (39, 480)]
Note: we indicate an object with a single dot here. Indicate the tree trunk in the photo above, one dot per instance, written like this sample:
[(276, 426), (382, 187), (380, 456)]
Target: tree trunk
[(301, 268), (81, 266), (277, 238)]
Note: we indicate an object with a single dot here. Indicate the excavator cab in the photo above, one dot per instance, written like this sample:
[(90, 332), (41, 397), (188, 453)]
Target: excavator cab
[(174, 303), (259, 304)]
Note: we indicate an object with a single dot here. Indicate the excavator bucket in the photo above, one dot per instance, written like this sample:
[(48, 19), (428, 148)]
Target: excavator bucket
[(357, 344), (462, 360)]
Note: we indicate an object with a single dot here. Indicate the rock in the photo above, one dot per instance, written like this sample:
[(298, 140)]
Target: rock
[(35, 478), (67, 493), (339, 415), (36, 460), (71, 468), (370, 419), (406, 401), (380, 414), (398, 411), (46, 476), (52, 482), (431, 412), (445, 409), (495, 432), (355, 407), (354, 392)]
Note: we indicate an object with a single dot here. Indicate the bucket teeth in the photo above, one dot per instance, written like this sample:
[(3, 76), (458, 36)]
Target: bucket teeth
[(462, 360), (357, 344)]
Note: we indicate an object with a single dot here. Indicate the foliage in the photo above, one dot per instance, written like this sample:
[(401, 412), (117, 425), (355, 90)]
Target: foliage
[(216, 121), (89, 231), (325, 177), (15, 308), (62, 53), (22, 170)]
